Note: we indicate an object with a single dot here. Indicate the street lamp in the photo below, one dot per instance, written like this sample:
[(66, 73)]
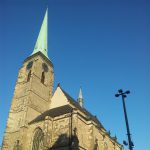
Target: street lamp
[(124, 95)]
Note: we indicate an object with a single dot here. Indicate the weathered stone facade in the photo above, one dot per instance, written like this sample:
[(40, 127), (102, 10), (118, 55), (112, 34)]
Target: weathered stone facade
[(31, 97)]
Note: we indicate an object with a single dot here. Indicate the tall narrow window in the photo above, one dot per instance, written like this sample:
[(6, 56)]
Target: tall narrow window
[(29, 76), (43, 77), (38, 140)]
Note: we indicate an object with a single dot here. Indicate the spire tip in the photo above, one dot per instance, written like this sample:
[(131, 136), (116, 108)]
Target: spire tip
[(41, 43)]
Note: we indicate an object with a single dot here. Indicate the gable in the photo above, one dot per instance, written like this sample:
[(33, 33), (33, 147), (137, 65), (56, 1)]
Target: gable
[(58, 99)]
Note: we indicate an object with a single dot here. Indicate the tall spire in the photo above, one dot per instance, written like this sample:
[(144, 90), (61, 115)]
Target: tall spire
[(80, 94), (41, 43), (80, 98)]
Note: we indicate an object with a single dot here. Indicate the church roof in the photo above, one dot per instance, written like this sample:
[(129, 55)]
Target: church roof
[(67, 109), (86, 112), (53, 113)]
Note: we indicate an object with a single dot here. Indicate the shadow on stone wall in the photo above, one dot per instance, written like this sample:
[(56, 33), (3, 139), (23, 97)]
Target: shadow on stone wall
[(66, 143)]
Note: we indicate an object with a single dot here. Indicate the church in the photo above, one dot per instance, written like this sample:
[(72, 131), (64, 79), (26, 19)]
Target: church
[(43, 119)]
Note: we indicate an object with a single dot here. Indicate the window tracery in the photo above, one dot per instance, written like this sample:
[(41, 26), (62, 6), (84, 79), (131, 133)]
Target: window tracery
[(38, 140)]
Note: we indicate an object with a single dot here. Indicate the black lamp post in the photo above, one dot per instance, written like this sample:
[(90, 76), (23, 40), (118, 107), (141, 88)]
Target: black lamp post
[(124, 95)]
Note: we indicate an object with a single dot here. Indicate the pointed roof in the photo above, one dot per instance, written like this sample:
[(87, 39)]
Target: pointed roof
[(80, 98), (66, 108), (41, 43), (80, 94)]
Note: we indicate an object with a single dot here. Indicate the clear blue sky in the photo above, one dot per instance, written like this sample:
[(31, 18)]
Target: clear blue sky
[(101, 45)]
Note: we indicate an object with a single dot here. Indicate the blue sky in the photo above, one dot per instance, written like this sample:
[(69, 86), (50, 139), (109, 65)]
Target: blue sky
[(100, 45)]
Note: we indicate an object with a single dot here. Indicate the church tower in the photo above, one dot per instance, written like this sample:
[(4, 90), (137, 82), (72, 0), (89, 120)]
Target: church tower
[(33, 90)]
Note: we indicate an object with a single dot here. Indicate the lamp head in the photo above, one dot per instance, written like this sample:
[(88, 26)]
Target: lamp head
[(125, 143), (120, 91), (132, 144), (117, 95), (127, 92)]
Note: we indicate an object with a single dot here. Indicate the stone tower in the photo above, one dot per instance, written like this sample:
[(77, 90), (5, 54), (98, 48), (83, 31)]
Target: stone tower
[(32, 92)]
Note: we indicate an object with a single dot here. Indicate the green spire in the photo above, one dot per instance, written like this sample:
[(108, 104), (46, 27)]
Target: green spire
[(41, 43)]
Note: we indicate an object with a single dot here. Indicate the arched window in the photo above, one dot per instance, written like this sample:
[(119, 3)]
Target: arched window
[(38, 140), (29, 76), (43, 77)]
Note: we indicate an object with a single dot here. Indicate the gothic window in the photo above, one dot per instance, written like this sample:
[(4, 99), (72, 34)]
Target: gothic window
[(38, 140), (105, 146), (29, 76), (43, 77)]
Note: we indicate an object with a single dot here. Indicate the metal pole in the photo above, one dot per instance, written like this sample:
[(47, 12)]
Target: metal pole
[(127, 124), (123, 95)]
